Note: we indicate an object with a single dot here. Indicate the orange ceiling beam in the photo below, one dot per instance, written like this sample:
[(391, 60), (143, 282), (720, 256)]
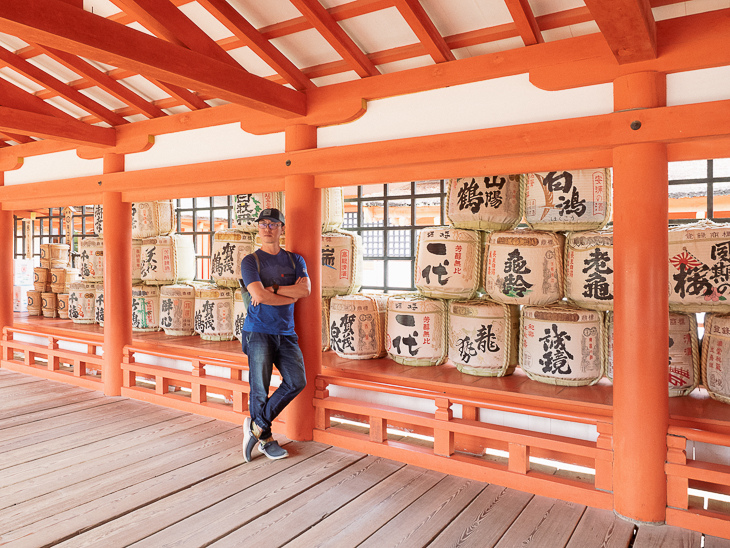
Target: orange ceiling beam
[(628, 26), (87, 35), (13, 96), (424, 28), (525, 21), (51, 127), (17, 138)]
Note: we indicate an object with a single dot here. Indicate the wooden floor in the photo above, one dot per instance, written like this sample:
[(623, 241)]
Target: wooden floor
[(81, 469)]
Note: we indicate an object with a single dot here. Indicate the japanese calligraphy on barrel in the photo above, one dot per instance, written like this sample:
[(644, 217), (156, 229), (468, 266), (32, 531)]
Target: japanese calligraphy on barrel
[(136, 261), (326, 323), (448, 262), (41, 279), (357, 326), (99, 220), (229, 247), (214, 313), (34, 302), (715, 356), (562, 345), (341, 263), (91, 252), (333, 209), (589, 269), (485, 203), (62, 278), (145, 308), (99, 304), (568, 200), (54, 255), (699, 267), (167, 259), (416, 330), (524, 267), (483, 337), (62, 303), (239, 313), (151, 219), (81, 302), (48, 305), (177, 309), (246, 208)]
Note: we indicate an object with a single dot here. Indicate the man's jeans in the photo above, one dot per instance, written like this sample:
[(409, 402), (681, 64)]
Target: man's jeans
[(264, 351)]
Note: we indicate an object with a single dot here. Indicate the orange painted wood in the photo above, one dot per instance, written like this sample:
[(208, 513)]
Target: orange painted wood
[(50, 127), (629, 28), (422, 25), (525, 21), (519, 458), (7, 250), (16, 98), (710, 523), (677, 495), (378, 429)]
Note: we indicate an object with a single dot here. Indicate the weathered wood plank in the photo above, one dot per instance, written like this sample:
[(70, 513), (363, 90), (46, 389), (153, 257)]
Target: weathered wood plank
[(43, 414), (716, 542), (58, 400), (18, 397), (10, 378), (666, 536), (545, 522), (601, 528), (485, 520)]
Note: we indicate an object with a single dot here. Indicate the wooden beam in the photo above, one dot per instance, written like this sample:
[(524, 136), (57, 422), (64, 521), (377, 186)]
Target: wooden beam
[(525, 21), (421, 24), (628, 26), (16, 137), (14, 97), (50, 127), (85, 34), (185, 96)]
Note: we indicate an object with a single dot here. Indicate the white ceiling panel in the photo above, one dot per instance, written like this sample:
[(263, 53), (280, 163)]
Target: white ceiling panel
[(406, 64), (543, 7), (19, 80), (251, 62), (54, 68), (11, 43), (380, 30), (489, 47), (101, 96), (144, 87), (67, 107), (263, 14), (103, 8), (702, 6), (307, 48), (348, 76), (669, 11), (457, 16), (206, 21)]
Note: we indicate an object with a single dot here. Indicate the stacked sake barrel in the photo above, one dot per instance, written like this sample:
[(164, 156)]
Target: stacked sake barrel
[(48, 281)]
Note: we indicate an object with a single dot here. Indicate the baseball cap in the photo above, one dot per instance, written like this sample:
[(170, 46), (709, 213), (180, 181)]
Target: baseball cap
[(272, 214)]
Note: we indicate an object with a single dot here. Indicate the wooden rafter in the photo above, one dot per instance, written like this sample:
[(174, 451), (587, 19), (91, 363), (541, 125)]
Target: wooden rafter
[(525, 21), (422, 25), (628, 26), (321, 19), (16, 137), (184, 96), (51, 127), (14, 97)]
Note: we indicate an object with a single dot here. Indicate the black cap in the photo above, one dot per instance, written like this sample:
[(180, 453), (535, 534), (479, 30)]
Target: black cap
[(272, 214)]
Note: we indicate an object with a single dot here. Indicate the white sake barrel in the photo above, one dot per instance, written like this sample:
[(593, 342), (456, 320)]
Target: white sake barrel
[(99, 220), (136, 261), (167, 259), (239, 314), (568, 200), (62, 278), (229, 247), (62, 303), (99, 304), (81, 302), (54, 255), (715, 356), (48, 305), (483, 337), (699, 267), (35, 302), (562, 345), (485, 203), (326, 323), (145, 308), (357, 326), (416, 330), (151, 219), (524, 267), (41, 279), (448, 262), (589, 269), (177, 310), (684, 353), (91, 251), (341, 263), (333, 209), (247, 207), (214, 313)]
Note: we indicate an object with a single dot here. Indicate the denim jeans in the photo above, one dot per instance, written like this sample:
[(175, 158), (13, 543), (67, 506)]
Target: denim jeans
[(265, 351)]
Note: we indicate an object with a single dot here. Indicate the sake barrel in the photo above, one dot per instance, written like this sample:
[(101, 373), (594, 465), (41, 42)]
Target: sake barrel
[(562, 345), (177, 309), (167, 259), (326, 323), (589, 269), (214, 313), (151, 219), (333, 209), (99, 304), (357, 326), (136, 261), (568, 200), (99, 220), (247, 207), (483, 337), (62, 303), (54, 255), (41, 279), (341, 263), (524, 267), (239, 314), (229, 247), (715, 356), (145, 308), (91, 251), (62, 278), (416, 330), (699, 267), (448, 262), (485, 203), (48, 305), (81, 302), (34, 302)]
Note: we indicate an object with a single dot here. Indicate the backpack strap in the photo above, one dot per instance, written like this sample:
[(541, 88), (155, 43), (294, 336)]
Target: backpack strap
[(291, 260)]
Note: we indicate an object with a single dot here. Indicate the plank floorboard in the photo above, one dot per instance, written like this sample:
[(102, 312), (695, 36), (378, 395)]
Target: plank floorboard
[(666, 536), (601, 528), (17, 420), (58, 400), (715, 542)]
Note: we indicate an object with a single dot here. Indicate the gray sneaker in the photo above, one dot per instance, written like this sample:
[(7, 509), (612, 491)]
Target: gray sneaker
[(272, 449), (249, 440)]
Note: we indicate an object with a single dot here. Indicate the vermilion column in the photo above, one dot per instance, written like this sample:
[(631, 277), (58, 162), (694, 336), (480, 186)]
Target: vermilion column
[(304, 236), (6, 264), (641, 328), (117, 280)]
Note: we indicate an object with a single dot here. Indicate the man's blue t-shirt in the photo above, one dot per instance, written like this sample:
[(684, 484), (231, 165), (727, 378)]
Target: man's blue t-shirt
[(265, 318)]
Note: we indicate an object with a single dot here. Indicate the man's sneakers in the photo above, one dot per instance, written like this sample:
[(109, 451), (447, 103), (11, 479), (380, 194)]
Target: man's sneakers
[(272, 449), (269, 447), (249, 439)]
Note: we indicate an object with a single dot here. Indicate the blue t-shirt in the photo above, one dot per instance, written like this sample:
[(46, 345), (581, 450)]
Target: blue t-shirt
[(265, 318)]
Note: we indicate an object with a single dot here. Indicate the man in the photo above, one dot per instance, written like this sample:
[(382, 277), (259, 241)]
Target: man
[(275, 279)]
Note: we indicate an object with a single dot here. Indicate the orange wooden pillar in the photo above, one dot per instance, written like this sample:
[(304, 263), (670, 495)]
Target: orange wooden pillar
[(304, 236), (6, 264), (117, 280), (640, 393)]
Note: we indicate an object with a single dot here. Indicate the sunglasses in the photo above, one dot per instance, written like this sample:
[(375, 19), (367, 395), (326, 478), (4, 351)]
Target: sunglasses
[(272, 226)]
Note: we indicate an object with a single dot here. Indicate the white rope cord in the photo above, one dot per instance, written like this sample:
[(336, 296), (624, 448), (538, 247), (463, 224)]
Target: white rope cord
[(706, 342), (570, 247)]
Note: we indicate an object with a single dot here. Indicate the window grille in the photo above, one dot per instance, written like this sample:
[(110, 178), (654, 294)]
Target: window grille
[(48, 228)]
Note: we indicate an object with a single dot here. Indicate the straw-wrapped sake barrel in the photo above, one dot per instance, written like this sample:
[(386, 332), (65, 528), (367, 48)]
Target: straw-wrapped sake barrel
[(229, 247), (136, 261), (34, 302), (562, 345), (484, 337), (326, 323), (341, 263), (214, 313), (568, 200), (416, 330), (145, 308), (177, 309), (91, 251), (54, 255), (246, 208), (99, 220), (151, 219), (357, 326), (99, 304), (699, 262), (62, 278), (524, 267), (485, 203), (62, 303), (715, 356), (333, 209), (81, 302), (41, 279), (49, 308), (448, 262), (239, 313), (167, 259), (589, 269)]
